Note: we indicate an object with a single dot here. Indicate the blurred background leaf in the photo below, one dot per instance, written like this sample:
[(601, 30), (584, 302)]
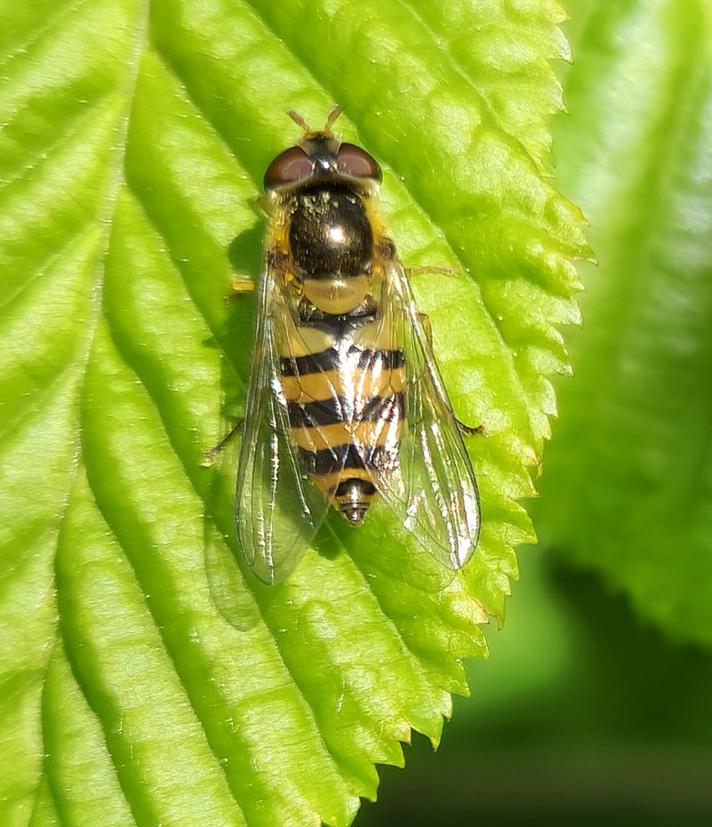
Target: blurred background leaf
[(583, 716), (627, 487)]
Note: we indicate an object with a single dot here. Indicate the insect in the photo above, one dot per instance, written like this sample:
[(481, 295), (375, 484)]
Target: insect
[(345, 401)]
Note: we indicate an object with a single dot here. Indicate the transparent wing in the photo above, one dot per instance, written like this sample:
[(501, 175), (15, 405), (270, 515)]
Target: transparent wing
[(278, 509), (433, 487)]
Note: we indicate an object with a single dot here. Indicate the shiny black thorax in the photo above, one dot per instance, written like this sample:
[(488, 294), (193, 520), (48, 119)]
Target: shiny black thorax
[(329, 232)]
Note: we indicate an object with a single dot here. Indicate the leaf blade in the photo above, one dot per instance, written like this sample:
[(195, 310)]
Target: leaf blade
[(284, 699), (642, 177)]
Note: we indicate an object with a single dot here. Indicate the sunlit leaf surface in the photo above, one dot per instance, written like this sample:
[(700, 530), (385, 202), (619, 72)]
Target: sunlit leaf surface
[(145, 676)]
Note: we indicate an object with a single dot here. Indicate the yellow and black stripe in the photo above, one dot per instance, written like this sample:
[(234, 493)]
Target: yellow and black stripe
[(346, 406)]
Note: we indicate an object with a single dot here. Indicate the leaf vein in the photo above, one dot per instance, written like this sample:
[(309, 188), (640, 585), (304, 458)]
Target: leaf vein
[(54, 20), (45, 267), (61, 138), (167, 648)]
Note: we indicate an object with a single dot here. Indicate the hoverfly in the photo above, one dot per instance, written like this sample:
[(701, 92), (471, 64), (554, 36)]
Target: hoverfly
[(345, 401)]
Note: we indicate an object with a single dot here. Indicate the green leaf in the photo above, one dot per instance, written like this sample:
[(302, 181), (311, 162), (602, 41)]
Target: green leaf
[(628, 480), (145, 676)]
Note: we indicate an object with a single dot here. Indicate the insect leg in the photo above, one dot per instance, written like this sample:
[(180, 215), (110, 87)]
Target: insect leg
[(240, 285), (387, 251), (427, 327), (213, 453), (468, 430), (432, 268)]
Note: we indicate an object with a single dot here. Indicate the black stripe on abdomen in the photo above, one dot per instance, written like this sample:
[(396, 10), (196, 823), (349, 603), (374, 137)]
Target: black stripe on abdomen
[(311, 363), (330, 460), (336, 409), (383, 359), (331, 359)]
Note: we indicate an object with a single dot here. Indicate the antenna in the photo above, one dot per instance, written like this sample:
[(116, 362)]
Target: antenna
[(331, 117), (298, 120)]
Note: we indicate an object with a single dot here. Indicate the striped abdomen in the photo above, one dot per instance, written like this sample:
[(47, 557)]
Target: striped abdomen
[(345, 406)]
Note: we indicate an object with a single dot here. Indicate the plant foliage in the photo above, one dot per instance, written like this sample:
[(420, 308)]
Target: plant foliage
[(628, 482), (145, 676)]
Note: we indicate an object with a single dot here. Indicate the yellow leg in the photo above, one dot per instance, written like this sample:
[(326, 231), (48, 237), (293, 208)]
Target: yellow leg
[(427, 268), (427, 327), (213, 453), (468, 430), (386, 250), (240, 285)]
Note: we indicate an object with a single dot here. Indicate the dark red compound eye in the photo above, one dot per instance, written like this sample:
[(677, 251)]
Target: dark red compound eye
[(291, 165), (356, 162)]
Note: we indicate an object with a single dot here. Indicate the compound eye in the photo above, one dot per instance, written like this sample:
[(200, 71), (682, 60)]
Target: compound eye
[(356, 162), (290, 166)]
